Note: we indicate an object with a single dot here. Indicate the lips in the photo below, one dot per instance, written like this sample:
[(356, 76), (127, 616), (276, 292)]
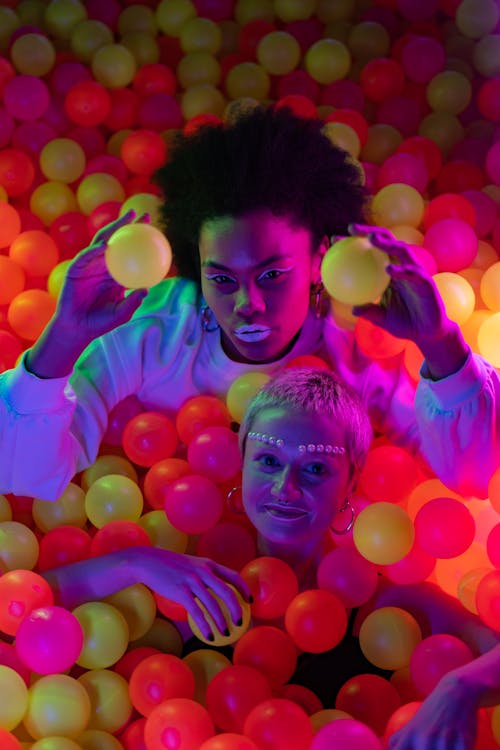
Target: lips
[(284, 512), (252, 333)]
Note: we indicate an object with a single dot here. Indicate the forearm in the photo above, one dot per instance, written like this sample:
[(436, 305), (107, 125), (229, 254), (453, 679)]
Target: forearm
[(445, 355), (95, 578), (480, 678), (56, 350)]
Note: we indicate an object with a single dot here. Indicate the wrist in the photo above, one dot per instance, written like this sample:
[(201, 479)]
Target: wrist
[(444, 354), (55, 352)]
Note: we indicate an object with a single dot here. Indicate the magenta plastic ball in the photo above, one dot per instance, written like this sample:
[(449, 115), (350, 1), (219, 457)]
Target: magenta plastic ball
[(434, 657), (493, 163), (26, 97), (214, 453), (422, 58), (403, 168), (49, 640), (193, 504), (452, 242), (348, 734), (444, 527)]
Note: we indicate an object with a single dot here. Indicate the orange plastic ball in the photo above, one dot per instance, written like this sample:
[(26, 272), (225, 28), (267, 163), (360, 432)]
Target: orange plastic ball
[(12, 279), (183, 720), (29, 312), (10, 224), (35, 251), (316, 620)]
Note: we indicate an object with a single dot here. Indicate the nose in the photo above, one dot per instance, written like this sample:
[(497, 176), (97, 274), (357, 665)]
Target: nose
[(285, 486), (249, 300)]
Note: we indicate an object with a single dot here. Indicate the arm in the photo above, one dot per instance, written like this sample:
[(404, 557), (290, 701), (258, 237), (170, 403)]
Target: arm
[(182, 578), (447, 718)]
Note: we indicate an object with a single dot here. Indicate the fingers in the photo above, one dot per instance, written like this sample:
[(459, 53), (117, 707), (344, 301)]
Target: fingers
[(233, 578), (105, 233)]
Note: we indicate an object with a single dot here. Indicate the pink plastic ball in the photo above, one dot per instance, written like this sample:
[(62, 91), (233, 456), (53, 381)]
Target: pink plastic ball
[(414, 567), (434, 656), (49, 640), (346, 573), (453, 243), (26, 97), (67, 74), (345, 733), (493, 545), (422, 58), (214, 453), (444, 527), (390, 474), (492, 163), (488, 99), (160, 111), (485, 209), (193, 504), (403, 168)]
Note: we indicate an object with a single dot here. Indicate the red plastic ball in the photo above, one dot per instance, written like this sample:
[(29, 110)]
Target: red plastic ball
[(149, 437), (130, 659), (124, 109), (434, 657), (193, 504), (448, 206), (132, 737), (160, 111), (459, 175), (488, 99), (382, 78), (493, 545), (180, 723), (390, 474), (157, 678), (227, 543), (369, 698), (154, 78), (70, 233), (10, 350), (16, 171), (444, 527), (232, 693), (279, 724), (118, 534), (198, 413), (159, 476), (273, 585), (143, 151), (424, 149), (270, 650), (316, 620), (88, 103), (63, 545), (214, 453), (21, 591)]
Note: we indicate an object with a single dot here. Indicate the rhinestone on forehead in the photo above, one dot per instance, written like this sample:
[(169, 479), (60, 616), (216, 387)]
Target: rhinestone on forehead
[(263, 437)]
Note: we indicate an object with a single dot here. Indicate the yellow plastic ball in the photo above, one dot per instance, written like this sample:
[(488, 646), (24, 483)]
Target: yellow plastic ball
[(294, 10), (56, 278), (344, 136), (161, 533), (467, 587), (162, 635), (327, 60), (278, 52), (241, 391), (62, 159), (490, 287), (325, 716), (9, 22), (113, 498), (114, 66), (235, 631), (138, 606), (87, 37), (383, 533), (105, 634), (55, 743), (476, 18), (58, 705), (61, 17), (144, 203), (50, 200), (470, 328), (388, 636), (368, 40), (143, 47), (382, 142), (98, 188), (203, 98), (248, 79), (14, 698), (328, 11), (205, 663), (138, 255), (18, 546), (353, 271), (486, 56), (67, 510), (444, 128), (397, 203), (449, 91), (171, 15), (488, 337), (96, 739), (5, 509), (110, 702), (198, 67), (137, 18), (246, 11), (107, 464), (457, 294), (33, 55), (201, 35), (486, 255)]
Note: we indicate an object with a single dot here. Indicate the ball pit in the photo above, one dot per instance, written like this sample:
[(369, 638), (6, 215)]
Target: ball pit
[(93, 92)]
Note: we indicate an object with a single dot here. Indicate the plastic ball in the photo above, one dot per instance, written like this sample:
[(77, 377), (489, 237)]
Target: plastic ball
[(10, 224), (201, 99), (113, 66), (14, 698), (17, 173), (422, 58), (279, 724), (12, 279), (137, 605), (270, 650), (57, 277), (368, 698), (346, 733), (398, 204), (467, 587), (449, 571), (172, 15), (241, 391), (382, 78), (62, 159), (449, 206), (233, 693), (161, 533), (487, 339), (353, 271), (180, 721), (143, 151), (113, 497), (449, 91), (138, 255), (488, 98), (235, 631), (227, 543), (248, 79), (493, 545), (348, 575), (87, 37), (205, 663), (453, 244), (343, 136), (488, 599), (426, 151), (18, 546), (390, 474), (214, 453), (107, 464), (414, 567), (49, 640), (316, 620), (149, 437), (52, 199), (457, 295), (69, 508), (157, 678), (327, 60), (228, 741), (278, 52), (444, 527), (118, 418), (434, 656), (35, 251), (26, 97), (160, 475), (88, 103), (106, 634), (476, 19), (492, 163), (98, 188), (63, 545), (201, 35), (193, 504), (118, 534), (21, 591), (388, 636), (69, 707), (272, 583), (383, 533), (403, 168), (198, 413)]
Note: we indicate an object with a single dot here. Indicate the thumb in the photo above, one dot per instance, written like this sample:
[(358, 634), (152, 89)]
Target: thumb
[(131, 302)]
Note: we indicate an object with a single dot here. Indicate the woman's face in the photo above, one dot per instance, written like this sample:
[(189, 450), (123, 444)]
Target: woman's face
[(289, 495), (256, 276)]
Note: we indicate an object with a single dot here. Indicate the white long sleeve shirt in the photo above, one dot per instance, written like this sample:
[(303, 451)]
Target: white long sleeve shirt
[(52, 428)]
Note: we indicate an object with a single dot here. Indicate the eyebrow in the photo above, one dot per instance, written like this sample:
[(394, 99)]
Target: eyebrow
[(272, 259)]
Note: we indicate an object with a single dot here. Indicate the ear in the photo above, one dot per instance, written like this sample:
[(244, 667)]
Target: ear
[(318, 256)]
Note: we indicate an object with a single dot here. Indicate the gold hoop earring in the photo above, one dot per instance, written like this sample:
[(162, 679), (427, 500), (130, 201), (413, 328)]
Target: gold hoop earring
[(208, 320), (345, 507), (234, 502), (319, 306)]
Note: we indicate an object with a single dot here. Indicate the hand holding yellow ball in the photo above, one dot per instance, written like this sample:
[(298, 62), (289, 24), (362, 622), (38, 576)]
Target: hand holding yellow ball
[(353, 271), (234, 631)]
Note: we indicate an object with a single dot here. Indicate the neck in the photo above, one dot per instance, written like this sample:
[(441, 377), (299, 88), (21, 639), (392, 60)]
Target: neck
[(303, 559)]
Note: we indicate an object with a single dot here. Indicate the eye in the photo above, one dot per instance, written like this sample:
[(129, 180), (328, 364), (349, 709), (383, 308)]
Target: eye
[(316, 469), (273, 274), (220, 279), (267, 461)]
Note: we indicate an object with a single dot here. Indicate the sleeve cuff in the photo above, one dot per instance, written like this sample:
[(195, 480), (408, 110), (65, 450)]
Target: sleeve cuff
[(29, 394), (458, 387)]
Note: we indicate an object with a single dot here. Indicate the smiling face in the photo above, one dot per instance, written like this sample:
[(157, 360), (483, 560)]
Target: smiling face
[(291, 497), (256, 276)]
